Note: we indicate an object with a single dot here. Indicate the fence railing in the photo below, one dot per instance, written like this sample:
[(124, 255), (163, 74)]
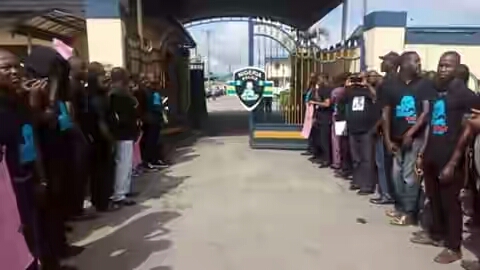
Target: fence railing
[(333, 62)]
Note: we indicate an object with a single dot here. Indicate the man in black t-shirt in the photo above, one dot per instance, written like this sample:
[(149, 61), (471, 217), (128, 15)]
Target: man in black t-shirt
[(362, 113), (442, 160), (80, 136), (152, 121), (405, 104), (383, 158), (124, 129), (323, 120), (102, 142)]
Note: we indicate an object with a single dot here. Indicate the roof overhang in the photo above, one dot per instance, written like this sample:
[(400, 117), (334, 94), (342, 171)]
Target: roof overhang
[(48, 24), (300, 14)]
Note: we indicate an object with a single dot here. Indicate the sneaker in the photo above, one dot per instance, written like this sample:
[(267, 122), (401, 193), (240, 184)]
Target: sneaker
[(148, 167), (161, 164)]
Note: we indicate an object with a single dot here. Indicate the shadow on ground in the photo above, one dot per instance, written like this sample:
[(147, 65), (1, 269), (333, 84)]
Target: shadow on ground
[(130, 246), (147, 186)]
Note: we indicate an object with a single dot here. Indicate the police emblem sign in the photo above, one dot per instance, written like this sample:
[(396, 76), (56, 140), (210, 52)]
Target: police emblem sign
[(249, 83)]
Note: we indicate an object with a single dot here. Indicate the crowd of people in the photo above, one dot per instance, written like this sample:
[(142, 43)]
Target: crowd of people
[(71, 130), (407, 136)]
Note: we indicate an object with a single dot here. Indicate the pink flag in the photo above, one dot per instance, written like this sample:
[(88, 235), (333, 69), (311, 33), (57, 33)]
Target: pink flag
[(307, 123), (14, 253), (63, 49)]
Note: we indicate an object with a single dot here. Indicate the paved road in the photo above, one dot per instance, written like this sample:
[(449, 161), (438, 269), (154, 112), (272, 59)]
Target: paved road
[(224, 104), (224, 206)]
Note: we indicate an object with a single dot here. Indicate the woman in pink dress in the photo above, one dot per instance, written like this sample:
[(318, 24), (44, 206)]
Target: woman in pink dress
[(14, 253)]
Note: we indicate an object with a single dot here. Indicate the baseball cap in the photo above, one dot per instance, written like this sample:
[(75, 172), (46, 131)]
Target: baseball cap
[(390, 56)]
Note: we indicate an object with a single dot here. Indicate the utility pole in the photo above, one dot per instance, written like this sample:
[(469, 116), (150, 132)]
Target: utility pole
[(208, 32), (365, 8), (345, 19)]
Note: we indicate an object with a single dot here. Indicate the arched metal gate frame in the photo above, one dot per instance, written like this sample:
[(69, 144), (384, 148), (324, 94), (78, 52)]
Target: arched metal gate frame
[(282, 129)]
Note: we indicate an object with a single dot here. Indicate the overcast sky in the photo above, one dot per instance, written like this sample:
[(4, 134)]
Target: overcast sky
[(228, 41)]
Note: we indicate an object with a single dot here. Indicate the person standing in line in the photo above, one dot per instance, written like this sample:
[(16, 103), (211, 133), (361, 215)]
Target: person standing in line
[(161, 160), (124, 129), (54, 126), (152, 118), (102, 142), (383, 158), (405, 111), (22, 156), (337, 94), (474, 127), (307, 96), (80, 136), (323, 120), (362, 114), (463, 74), (442, 160)]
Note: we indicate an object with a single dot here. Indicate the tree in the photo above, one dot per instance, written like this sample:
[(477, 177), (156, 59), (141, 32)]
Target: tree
[(316, 34)]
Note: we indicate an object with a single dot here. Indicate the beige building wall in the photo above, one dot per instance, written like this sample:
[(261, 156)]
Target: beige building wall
[(106, 41), (381, 40)]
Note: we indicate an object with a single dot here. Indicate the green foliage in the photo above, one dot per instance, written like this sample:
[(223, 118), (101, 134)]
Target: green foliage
[(284, 98)]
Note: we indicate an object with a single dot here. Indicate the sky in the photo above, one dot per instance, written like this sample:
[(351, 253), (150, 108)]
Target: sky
[(228, 41)]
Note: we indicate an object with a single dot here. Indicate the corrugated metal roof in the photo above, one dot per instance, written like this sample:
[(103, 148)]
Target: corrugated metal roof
[(75, 7), (46, 24)]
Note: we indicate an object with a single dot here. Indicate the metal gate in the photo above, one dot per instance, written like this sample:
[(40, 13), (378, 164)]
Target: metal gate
[(277, 124)]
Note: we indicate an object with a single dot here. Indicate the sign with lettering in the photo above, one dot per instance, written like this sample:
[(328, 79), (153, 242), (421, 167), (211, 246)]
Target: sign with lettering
[(249, 83)]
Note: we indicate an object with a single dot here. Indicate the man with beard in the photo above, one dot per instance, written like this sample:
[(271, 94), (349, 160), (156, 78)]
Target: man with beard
[(405, 109), (442, 160)]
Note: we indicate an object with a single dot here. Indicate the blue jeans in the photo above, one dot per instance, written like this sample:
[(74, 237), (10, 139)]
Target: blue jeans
[(383, 160), (123, 169), (407, 188)]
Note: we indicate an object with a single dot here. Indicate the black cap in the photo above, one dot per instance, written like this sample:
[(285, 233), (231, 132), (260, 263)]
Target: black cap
[(390, 56)]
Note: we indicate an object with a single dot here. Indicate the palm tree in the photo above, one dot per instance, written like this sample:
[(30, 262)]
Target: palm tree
[(316, 35)]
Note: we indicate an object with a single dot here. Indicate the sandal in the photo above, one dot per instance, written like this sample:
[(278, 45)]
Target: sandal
[(402, 220), (471, 265), (392, 213), (448, 256), (423, 238)]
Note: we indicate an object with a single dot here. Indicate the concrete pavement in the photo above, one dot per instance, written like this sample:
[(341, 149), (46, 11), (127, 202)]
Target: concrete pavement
[(236, 208), (224, 206)]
